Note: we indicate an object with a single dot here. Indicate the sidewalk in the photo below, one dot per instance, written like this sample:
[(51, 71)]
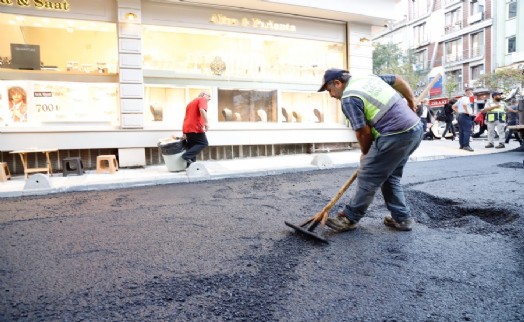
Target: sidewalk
[(41, 184)]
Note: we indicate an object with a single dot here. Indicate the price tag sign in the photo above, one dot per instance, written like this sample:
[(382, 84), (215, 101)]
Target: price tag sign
[(75, 102)]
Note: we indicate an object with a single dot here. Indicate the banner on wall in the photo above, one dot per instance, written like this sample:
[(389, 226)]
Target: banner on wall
[(33, 103), (437, 87)]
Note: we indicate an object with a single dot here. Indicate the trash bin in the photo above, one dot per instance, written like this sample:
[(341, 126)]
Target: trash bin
[(172, 155)]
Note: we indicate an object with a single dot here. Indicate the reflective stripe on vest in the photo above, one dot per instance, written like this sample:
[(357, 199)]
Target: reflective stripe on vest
[(497, 113), (377, 95)]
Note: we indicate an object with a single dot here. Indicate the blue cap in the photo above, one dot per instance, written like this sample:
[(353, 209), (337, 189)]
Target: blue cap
[(330, 75), (496, 93)]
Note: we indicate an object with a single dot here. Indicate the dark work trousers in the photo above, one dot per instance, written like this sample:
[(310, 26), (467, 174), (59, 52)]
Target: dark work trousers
[(449, 128), (196, 142), (465, 124), (509, 133)]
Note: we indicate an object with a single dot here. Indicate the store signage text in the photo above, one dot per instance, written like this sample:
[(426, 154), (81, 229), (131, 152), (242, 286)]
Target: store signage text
[(38, 4), (257, 23), (438, 102)]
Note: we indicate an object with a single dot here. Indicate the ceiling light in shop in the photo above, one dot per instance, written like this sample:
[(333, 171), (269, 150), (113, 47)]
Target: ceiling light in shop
[(131, 16)]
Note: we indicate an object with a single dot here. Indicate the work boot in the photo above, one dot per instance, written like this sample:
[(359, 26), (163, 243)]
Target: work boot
[(490, 145), (500, 146), (341, 223), (405, 225)]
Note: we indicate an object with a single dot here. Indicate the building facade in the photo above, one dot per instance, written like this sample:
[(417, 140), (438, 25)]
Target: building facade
[(103, 77), (460, 40), (451, 38)]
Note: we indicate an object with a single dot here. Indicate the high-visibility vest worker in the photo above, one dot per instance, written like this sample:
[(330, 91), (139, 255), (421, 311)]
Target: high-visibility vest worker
[(377, 95), (498, 113)]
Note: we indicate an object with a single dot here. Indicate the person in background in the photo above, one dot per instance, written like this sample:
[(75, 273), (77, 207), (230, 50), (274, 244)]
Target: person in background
[(195, 127), (464, 109), (424, 113), (480, 119), (448, 118), (495, 119), (512, 115), (381, 112), (17, 104)]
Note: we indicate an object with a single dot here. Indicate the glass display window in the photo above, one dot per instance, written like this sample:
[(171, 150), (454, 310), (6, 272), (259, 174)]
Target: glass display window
[(238, 55), (34, 103), (242, 105), (64, 45), (310, 107), (166, 106)]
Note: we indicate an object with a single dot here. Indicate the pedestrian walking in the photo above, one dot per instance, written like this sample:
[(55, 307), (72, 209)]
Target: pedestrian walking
[(388, 132), (495, 110), (464, 109), (195, 127), (448, 118)]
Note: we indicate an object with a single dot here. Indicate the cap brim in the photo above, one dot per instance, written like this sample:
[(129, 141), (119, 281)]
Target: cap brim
[(323, 88)]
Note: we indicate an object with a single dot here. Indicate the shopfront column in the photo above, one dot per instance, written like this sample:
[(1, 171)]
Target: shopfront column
[(130, 64)]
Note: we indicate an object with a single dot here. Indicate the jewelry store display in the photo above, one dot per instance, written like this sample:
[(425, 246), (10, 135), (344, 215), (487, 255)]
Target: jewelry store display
[(218, 66)]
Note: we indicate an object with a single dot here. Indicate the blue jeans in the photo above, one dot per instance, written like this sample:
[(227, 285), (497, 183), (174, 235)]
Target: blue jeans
[(382, 168), (465, 124)]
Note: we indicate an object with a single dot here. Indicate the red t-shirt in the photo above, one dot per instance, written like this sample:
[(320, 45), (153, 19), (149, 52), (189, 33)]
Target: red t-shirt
[(193, 121)]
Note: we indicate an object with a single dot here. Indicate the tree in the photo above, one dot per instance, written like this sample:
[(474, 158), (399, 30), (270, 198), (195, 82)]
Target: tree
[(503, 79), (386, 57), (390, 59), (451, 85)]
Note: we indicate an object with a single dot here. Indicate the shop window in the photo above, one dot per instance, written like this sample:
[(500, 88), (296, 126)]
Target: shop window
[(309, 107), (241, 56), (166, 106), (52, 48), (240, 105), (63, 45)]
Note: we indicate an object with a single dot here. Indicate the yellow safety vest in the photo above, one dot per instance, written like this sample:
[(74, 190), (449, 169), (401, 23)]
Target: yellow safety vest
[(377, 95), (497, 113)]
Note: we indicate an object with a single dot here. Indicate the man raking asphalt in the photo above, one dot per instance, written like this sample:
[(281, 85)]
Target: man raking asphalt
[(381, 110)]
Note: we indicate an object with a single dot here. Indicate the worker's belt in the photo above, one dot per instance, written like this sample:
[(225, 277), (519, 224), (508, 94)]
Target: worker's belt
[(496, 116)]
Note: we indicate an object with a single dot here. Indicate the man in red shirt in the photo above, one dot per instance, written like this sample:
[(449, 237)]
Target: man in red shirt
[(195, 127)]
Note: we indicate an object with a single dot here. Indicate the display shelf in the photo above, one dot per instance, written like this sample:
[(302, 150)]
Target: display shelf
[(52, 75)]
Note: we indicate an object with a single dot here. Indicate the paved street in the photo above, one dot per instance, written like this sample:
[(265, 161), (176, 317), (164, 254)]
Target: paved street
[(219, 251)]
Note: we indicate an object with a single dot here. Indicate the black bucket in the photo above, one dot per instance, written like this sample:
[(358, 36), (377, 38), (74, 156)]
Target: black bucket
[(173, 147)]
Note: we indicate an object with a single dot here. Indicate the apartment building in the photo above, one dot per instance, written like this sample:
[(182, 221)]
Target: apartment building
[(508, 37), (453, 38)]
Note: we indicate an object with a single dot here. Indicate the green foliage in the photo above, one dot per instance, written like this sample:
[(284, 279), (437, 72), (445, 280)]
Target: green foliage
[(451, 85), (390, 59), (386, 57), (504, 79)]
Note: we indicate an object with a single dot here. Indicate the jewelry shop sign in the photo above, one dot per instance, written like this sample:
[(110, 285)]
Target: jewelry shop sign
[(38, 4)]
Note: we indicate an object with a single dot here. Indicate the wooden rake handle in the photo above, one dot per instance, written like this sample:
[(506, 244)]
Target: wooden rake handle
[(322, 216)]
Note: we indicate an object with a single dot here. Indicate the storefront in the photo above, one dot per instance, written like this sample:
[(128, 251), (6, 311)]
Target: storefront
[(117, 75)]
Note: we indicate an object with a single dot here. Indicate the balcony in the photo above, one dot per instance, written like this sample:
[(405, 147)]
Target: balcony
[(477, 17), (453, 27), (475, 53)]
